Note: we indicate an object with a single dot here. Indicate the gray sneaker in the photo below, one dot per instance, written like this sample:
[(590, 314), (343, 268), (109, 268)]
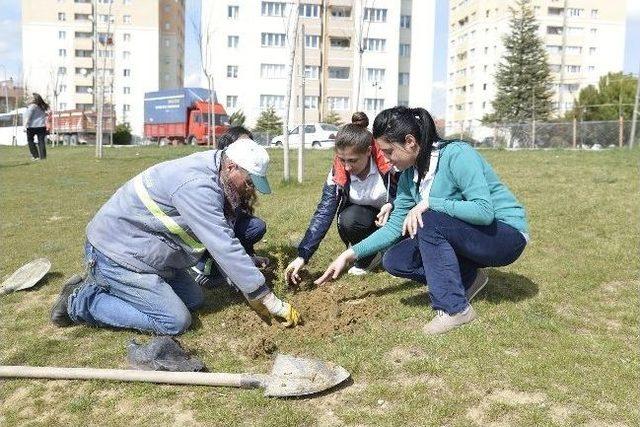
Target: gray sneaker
[(444, 322), (477, 285)]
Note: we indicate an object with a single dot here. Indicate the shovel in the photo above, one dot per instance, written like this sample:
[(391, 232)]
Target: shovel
[(26, 276), (290, 376)]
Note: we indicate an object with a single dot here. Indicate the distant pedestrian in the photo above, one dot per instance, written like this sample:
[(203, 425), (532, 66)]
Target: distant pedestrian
[(35, 119)]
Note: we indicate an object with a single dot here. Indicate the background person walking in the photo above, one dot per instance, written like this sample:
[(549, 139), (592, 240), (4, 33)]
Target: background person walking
[(35, 120)]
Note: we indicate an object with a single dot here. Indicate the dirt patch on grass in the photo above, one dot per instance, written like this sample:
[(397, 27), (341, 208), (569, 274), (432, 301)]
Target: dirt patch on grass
[(327, 311), (400, 355), (480, 413)]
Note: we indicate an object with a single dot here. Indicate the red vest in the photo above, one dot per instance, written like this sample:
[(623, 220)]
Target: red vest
[(341, 176)]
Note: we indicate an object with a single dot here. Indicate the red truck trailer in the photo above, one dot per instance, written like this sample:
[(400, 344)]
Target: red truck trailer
[(182, 116)]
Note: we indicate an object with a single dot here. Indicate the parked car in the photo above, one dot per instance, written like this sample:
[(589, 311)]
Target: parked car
[(316, 135)]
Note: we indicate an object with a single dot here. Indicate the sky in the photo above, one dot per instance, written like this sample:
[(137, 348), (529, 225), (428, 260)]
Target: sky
[(11, 48)]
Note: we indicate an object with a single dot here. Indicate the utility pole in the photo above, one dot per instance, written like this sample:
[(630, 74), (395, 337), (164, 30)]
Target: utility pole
[(96, 82), (324, 57), (563, 56), (360, 40), (293, 41), (634, 116), (302, 96), (533, 116)]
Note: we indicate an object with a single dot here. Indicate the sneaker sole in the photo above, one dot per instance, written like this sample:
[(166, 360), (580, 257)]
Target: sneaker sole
[(478, 289)]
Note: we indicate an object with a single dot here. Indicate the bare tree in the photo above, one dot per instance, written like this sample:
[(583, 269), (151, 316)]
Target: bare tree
[(292, 37), (204, 37), (361, 35)]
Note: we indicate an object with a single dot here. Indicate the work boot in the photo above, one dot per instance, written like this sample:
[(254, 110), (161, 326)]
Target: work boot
[(444, 322), (59, 315), (479, 282)]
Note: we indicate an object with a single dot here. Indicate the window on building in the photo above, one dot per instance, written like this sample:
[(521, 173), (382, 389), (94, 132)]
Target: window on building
[(375, 74), (167, 43), (62, 35), (375, 15), (62, 71), (126, 90), (273, 8), (104, 53), (554, 30), (575, 12), (84, 89), (594, 13), (62, 16), (340, 11), (81, 16), (573, 69), (311, 41), (405, 21), (339, 73), (126, 107), (273, 39), (62, 52), (62, 88), (484, 86), (574, 50), (232, 41), (83, 34), (594, 32), (554, 49), (233, 11), (592, 50), (591, 68), (555, 68), (309, 10), (103, 18), (167, 25), (126, 72), (275, 101), (232, 71), (375, 45), (83, 53), (126, 2), (311, 72), (373, 104), (272, 71), (403, 79), (232, 101), (338, 103), (126, 54), (340, 42), (555, 11), (405, 49), (126, 37), (311, 102), (127, 20)]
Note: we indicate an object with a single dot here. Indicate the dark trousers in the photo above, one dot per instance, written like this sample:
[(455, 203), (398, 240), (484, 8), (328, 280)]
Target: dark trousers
[(249, 230), (39, 151), (447, 252), (356, 223)]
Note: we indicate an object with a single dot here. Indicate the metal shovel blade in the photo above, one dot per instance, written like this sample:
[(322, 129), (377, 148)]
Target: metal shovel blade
[(26, 276), (296, 376)]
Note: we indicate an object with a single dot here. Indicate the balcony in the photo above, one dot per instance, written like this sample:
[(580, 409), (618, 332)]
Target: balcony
[(86, 62), (83, 43)]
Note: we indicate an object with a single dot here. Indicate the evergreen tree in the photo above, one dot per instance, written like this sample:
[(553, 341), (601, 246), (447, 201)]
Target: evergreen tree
[(237, 118), (523, 78), (268, 121), (333, 118)]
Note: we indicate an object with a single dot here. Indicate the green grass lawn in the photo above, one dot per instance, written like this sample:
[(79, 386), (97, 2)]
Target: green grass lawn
[(556, 342)]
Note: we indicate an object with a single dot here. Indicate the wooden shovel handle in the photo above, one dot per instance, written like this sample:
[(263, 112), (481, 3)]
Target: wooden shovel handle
[(164, 377)]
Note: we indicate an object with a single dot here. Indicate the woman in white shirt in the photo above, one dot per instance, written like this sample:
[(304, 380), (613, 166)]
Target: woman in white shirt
[(360, 189)]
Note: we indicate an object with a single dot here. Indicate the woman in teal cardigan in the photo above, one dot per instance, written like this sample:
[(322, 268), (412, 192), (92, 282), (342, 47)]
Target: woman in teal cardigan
[(451, 205)]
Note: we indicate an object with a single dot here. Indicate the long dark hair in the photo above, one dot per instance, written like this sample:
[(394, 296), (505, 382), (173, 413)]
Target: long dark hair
[(37, 99), (355, 134), (232, 135), (394, 124)]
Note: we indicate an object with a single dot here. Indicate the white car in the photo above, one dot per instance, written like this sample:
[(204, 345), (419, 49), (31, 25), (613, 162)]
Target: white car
[(316, 135)]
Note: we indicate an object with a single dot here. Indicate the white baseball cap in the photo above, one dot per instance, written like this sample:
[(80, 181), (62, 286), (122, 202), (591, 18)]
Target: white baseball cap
[(253, 158)]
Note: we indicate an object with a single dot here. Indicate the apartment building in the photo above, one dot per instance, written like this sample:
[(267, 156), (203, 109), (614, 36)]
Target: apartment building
[(250, 44), (140, 48), (584, 40)]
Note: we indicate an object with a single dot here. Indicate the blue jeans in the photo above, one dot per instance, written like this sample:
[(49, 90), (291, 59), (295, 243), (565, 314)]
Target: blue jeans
[(447, 252), (115, 296)]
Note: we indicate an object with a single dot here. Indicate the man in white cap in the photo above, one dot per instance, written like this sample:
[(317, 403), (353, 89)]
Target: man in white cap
[(142, 242)]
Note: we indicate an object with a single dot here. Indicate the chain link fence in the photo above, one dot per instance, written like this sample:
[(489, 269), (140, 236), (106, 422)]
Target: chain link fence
[(572, 134)]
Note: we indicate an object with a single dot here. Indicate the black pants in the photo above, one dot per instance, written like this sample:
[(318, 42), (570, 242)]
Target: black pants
[(39, 152), (356, 223)]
